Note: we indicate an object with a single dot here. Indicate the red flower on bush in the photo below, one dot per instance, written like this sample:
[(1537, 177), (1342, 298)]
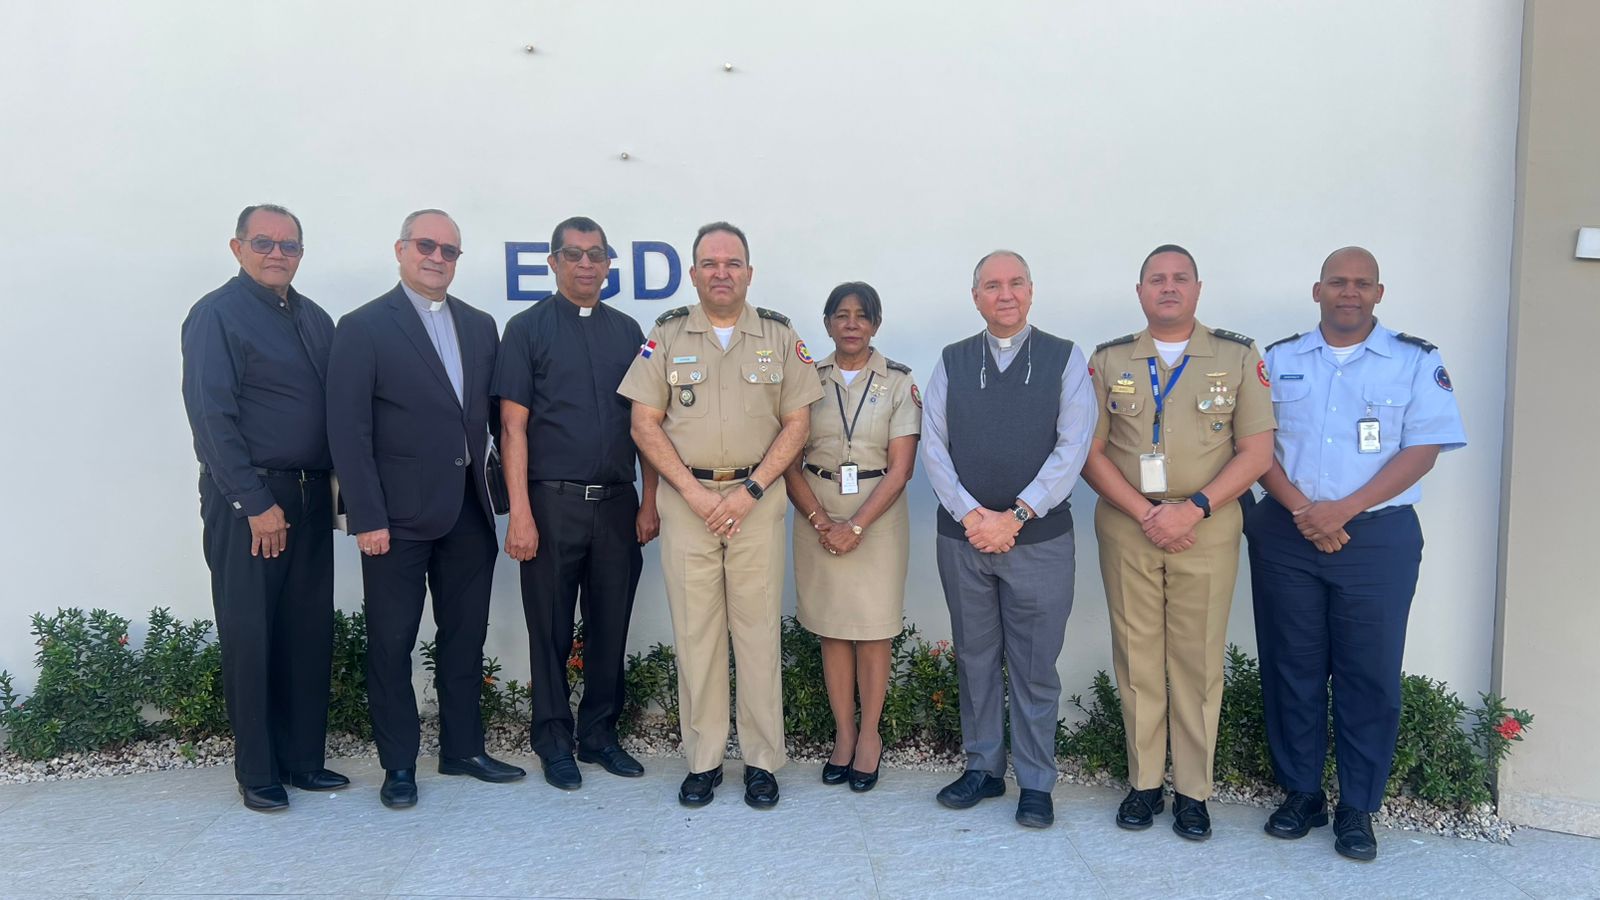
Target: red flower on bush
[(1509, 728), (938, 699), (488, 679), (123, 640)]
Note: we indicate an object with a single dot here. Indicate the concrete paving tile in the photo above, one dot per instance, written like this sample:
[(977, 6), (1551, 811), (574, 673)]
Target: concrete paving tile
[(1544, 863), (1408, 865), (35, 870)]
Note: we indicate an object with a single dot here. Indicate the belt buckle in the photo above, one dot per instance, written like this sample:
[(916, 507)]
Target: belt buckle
[(723, 473), (594, 492)]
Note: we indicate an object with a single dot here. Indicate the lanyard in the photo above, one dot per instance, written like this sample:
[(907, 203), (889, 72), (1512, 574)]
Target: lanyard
[(850, 426), (1161, 395)]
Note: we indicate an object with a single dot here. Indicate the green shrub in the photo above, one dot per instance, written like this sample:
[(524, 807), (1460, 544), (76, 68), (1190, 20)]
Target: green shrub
[(924, 697), (88, 695), (347, 686), (183, 676), (806, 713), (650, 680), (1242, 754), (1098, 742)]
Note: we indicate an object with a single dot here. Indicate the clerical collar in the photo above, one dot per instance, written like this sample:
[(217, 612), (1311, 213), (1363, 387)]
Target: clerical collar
[(1006, 343), (423, 304)]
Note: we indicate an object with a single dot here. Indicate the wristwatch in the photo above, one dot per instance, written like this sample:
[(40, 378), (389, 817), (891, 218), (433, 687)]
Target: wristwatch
[(854, 528), (1201, 500), (1021, 513), (754, 489)]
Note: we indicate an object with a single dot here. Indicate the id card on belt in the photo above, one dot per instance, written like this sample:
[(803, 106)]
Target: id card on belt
[(1153, 473), (849, 478)]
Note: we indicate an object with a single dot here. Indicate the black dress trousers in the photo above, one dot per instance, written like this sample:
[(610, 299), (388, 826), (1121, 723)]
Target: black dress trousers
[(275, 625), (588, 553), (458, 569)]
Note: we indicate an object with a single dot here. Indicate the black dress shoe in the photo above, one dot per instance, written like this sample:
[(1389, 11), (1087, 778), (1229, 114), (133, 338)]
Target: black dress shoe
[(1138, 810), (1035, 809), (832, 774), (760, 788), (399, 789), (613, 759), (482, 767), (320, 780), (700, 787), (1189, 818), (1352, 833), (1298, 814), (266, 798), (861, 782), (972, 786), (562, 772)]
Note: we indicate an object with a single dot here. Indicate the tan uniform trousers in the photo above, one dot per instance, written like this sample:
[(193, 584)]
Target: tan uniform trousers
[(714, 586), (1169, 627)]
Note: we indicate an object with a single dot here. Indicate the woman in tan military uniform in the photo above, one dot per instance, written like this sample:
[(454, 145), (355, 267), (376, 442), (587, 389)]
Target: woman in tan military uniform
[(852, 533)]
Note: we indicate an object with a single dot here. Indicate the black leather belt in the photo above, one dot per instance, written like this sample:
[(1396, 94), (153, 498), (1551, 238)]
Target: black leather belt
[(594, 492), (1379, 513), (834, 476), (723, 474), (297, 474)]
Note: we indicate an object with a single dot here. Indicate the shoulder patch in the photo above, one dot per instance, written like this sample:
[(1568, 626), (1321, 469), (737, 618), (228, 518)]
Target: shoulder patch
[(772, 314), (1292, 337), (1413, 339), (671, 314), (1125, 339), (1234, 336), (897, 366)]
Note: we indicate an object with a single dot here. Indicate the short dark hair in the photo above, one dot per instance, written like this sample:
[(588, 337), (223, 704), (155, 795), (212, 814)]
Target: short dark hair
[(240, 228), (1168, 248), (580, 224), (865, 293), (694, 251)]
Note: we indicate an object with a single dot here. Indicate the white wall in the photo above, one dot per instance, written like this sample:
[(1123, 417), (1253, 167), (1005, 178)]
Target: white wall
[(892, 142)]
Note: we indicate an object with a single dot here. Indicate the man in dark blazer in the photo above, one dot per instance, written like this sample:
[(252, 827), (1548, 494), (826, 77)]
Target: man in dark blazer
[(408, 423)]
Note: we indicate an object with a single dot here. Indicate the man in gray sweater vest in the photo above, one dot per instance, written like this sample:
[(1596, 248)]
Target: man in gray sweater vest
[(1008, 419)]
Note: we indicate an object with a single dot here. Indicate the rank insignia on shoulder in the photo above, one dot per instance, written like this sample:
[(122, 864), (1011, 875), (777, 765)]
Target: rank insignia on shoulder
[(1414, 340), (893, 366), (1125, 339), (671, 314), (772, 314), (1292, 337), (1234, 336)]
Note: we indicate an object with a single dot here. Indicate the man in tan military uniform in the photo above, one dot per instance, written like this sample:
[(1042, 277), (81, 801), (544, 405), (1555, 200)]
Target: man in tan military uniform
[(1185, 427), (721, 397)]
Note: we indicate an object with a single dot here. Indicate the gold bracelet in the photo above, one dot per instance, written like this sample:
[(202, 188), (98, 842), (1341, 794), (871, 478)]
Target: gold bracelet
[(811, 516)]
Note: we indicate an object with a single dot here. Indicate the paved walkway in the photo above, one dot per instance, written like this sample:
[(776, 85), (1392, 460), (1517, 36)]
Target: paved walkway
[(186, 834)]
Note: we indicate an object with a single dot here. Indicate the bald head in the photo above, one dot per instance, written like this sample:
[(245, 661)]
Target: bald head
[(1351, 255)]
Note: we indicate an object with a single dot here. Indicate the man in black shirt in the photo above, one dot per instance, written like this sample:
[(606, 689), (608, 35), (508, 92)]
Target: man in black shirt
[(575, 519), (255, 358)]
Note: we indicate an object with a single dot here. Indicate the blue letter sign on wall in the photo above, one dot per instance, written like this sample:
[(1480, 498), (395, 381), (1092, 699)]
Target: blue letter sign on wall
[(516, 270)]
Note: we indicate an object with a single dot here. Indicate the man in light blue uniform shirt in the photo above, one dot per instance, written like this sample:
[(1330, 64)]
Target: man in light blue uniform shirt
[(1363, 413)]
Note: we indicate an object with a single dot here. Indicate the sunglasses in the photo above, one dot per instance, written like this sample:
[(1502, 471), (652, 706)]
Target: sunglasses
[(426, 246), (264, 246), (596, 255)]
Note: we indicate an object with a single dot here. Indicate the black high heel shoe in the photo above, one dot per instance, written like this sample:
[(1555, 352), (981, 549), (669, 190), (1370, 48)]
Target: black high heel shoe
[(861, 782), (832, 774)]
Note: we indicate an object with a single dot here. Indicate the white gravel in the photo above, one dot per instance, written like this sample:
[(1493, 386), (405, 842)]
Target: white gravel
[(654, 739)]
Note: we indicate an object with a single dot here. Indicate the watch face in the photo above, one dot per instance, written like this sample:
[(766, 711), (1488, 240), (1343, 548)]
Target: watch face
[(1022, 514)]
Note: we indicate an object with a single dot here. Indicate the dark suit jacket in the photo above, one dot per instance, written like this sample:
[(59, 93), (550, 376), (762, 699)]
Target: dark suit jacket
[(397, 432)]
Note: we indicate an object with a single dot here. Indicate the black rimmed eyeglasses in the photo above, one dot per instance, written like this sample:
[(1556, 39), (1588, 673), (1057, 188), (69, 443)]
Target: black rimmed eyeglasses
[(426, 246), (264, 245)]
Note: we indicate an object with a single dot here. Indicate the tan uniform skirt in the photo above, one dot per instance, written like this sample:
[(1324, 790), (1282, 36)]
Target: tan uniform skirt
[(861, 595)]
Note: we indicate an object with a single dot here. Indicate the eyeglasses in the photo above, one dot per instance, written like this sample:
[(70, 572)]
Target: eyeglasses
[(263, 246), (596, 255), (426, 246)]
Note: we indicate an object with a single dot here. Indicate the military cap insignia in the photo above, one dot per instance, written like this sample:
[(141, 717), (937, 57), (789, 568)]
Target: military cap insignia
[(772, 314), (1234, 336), (1292, 337), (1125, 339), (1414, 340), (671, 314), (897, 366)]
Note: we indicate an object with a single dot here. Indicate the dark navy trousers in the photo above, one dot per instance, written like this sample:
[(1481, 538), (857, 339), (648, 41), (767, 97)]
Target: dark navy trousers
[(1340, 615)]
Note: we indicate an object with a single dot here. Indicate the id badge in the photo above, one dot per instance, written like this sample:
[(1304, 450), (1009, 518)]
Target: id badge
[(1367, 435), (1153, 473), (848, 478)]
